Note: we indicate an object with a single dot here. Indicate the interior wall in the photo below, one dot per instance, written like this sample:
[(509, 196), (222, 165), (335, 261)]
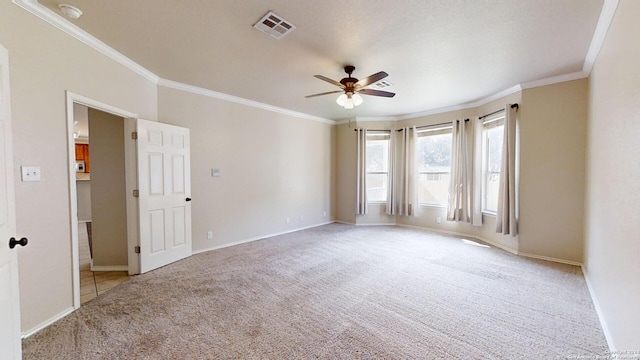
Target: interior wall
[(108, 191), (553, 125), (45, 63), (346, 161), (612, 225), (273, 167)]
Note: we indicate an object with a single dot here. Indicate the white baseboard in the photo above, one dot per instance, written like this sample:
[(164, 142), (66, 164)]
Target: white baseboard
[(26, 334), (375, 224), (596, 304), (256, 238), (547, 258), (109, 268), (343, 222)]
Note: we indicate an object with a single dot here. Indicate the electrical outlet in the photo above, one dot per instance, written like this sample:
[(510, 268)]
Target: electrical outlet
[(301, 217), (209, 235), (324, 214), (287, 220), (438, 220)]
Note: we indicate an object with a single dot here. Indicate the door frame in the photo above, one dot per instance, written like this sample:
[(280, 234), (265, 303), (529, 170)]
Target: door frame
[(131, 179)]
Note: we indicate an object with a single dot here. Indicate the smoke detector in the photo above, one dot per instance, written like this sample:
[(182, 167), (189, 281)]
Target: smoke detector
[(274, 25), (70, 11)]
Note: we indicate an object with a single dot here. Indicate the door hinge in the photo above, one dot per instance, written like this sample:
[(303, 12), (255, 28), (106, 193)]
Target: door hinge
[(136, 193), (137, 249), (134, 135)]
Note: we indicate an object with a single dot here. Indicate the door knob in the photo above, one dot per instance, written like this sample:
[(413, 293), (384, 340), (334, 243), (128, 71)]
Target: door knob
[(188, 199), (13, 242)]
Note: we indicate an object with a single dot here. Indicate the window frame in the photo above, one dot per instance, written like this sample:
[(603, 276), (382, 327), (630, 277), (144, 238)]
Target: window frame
[(379, 135), (424, 133), (491, 122)]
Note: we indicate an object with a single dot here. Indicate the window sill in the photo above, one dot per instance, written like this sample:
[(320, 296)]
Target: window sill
[(432, 206), (489, 213)]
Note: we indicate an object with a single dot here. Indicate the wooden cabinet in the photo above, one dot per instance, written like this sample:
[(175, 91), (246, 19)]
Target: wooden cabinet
[(82, 154)]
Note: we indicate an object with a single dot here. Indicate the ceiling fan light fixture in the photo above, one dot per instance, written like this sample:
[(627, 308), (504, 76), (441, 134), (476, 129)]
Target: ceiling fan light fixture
[(357, 99), (342, 99)]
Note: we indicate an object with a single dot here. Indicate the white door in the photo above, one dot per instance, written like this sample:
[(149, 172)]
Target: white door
[(164, 184), (9, 300)]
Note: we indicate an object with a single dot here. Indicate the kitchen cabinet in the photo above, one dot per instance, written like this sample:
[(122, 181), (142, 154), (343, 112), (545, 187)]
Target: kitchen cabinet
[(82, 154)]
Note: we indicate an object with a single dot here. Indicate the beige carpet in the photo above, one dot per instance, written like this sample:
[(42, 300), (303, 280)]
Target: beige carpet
[(337, 291)]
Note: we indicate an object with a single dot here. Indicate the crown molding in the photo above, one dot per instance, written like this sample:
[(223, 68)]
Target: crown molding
[(604, 22), (238, 100)]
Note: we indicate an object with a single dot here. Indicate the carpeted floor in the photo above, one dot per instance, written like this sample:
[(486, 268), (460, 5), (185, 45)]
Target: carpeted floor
[(335, 292)]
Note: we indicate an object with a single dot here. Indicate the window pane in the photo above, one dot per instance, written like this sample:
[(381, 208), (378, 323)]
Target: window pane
[(377, 187), (433, 188), (434, 168), (377, 155), (493, 163)]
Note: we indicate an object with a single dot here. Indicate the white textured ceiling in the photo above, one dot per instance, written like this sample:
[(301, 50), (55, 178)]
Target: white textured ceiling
[(439, 53)]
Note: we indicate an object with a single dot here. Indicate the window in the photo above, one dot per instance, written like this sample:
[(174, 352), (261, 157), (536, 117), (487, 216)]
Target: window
[(492, 139), (434, 166), (377, 166)]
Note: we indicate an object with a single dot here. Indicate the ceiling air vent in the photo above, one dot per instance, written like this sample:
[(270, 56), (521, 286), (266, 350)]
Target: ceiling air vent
[(381, 84), (274, 25)]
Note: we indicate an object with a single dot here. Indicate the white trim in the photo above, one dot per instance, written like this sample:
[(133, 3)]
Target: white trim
[(596, 305), (131, 203), (548, 258), (555, 80), (72, 98), (44, 13), (344, 222), (475, 104), (238, 100), (200, 251), (375, 224), (109, 268), (606, 18), (44, 324)]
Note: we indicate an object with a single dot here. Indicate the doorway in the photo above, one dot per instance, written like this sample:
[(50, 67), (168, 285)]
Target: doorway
[(102, 173), (101, 195)]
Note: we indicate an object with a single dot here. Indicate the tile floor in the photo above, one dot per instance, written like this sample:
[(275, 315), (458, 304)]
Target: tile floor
[(94, 283)]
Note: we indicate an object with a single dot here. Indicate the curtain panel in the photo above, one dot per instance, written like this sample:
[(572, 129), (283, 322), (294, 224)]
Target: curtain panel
[(402, 193), (507, 214), (476, 181), (361, 176), (459, 192)]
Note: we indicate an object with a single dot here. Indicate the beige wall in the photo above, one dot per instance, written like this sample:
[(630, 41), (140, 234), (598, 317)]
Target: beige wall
[(273, 167), (83, 189), (553, 125), (108, 192), (44, 64), (612, 226)]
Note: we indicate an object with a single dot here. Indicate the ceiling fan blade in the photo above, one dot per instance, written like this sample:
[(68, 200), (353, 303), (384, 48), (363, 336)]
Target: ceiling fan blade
[(372, 79), (376, 92), (324, 93), (331, 81)]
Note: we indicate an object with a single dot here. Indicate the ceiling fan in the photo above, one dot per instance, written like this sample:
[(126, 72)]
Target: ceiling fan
[(352, 87)]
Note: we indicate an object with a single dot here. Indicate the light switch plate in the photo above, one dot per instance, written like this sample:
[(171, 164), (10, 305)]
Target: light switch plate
[(30, 173), (215, 172)]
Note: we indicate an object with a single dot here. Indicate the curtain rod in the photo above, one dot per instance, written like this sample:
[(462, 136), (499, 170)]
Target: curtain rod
[(497, 111), (417, 127)]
